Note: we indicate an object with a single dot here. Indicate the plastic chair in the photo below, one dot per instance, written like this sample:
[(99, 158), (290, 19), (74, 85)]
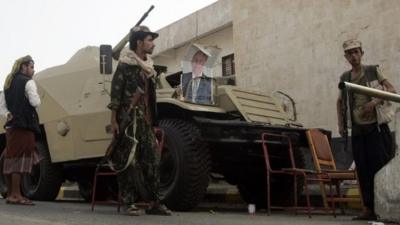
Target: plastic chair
[(325, 162), (160, 138), (98, 174), (293, 170)]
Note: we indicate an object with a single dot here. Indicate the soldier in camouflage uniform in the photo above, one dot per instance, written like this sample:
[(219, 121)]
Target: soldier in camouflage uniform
[(133, 97)]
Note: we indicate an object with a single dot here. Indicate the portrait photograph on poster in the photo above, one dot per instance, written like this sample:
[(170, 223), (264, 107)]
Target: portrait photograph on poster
[(197, 79)]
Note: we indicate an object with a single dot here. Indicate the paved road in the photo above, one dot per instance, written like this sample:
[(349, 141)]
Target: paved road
[(78, 213)]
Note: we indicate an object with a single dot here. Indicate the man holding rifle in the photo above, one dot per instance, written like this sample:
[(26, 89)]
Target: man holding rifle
[(132, 96), (370, 136)]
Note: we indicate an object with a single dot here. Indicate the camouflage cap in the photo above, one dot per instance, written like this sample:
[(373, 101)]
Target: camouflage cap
[(350, 44), (139, 30)]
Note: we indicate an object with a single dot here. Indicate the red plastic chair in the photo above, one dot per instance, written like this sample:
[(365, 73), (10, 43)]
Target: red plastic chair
[(293, 170), (160, 140)]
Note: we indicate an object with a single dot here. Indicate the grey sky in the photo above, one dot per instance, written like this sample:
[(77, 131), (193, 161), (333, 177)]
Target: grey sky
[(51, 31)]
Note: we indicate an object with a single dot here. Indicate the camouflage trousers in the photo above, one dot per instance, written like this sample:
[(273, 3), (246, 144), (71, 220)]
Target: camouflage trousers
[(139, 182)]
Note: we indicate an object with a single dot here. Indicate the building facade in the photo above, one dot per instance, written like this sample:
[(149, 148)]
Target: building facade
[(292, 46)]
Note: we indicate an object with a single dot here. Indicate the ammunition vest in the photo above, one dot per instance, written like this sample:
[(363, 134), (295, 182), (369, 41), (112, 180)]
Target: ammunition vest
[(370, 76)]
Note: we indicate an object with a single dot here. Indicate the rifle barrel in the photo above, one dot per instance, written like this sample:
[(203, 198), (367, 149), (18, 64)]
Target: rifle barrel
[(121, 44), (370, 91)]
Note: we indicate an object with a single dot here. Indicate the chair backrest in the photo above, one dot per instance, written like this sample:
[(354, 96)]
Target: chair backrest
[(282, 140), (320, 150)]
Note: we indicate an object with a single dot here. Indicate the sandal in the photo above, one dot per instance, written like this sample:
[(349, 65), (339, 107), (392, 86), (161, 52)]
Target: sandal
[(142, 205), (20, 202), (134, 211), (159, 209)]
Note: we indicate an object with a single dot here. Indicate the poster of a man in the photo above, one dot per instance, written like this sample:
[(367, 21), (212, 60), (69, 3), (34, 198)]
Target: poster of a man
[(197, 82)]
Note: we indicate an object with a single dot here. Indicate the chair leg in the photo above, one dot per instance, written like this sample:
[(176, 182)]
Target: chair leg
[(323, 194), (119, 202), (333, 206), (337, 183), (307, 197), (94, 191), (328, 208), (295, 192), (268, 194)]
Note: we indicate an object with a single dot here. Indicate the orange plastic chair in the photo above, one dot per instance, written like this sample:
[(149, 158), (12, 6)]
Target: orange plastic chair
[(325, 162)]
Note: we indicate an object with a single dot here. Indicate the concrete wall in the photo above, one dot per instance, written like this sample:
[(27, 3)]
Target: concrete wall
[(295, 46), (194, 26)]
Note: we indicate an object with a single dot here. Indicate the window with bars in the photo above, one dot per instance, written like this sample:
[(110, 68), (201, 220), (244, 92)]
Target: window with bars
[(228, 69)]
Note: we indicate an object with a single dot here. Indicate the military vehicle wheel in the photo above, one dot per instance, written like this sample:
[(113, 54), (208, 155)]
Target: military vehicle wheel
[(45, 180), (184, 166), (254, 189)]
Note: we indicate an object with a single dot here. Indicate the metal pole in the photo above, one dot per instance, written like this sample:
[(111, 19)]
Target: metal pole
[(103, 65), (370, 91)]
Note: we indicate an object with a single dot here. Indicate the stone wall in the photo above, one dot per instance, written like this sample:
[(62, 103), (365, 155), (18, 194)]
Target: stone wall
[(295, 46)]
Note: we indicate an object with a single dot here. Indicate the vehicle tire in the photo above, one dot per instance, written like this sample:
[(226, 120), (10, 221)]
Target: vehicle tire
[(184, 166), (254, 189), (45, 180)]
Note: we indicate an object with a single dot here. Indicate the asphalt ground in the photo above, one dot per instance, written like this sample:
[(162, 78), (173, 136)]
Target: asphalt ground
[(79, 213), (222, 205)]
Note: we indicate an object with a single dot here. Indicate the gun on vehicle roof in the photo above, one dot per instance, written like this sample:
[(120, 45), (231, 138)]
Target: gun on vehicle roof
[(121, 44)]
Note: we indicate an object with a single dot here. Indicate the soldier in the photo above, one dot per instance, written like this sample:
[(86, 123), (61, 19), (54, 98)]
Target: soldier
[(133, 96), (371, 140)]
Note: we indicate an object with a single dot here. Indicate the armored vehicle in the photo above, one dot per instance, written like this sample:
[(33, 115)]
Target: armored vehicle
[(219, 140)]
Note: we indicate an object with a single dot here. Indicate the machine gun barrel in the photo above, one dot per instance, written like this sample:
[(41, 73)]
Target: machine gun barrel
[(370, 91), (121, 44)]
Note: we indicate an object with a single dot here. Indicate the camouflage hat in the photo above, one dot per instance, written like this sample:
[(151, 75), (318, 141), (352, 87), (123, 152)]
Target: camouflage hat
[(142, 30), (350, 44)]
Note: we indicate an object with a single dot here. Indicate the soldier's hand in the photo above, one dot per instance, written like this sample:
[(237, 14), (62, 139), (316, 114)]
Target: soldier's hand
[(115, 128), (368, 107), (9, 116), (341, 130), (367, 110)]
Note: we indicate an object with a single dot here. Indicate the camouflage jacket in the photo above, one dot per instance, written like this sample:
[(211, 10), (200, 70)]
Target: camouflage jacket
[(128, 80)]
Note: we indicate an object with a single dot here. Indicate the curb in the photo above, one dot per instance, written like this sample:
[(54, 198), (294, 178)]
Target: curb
[(221, 193), (215, 193), (69, 192)]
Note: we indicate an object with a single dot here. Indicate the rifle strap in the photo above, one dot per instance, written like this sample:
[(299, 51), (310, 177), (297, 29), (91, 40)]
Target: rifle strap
[(131, 158)]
